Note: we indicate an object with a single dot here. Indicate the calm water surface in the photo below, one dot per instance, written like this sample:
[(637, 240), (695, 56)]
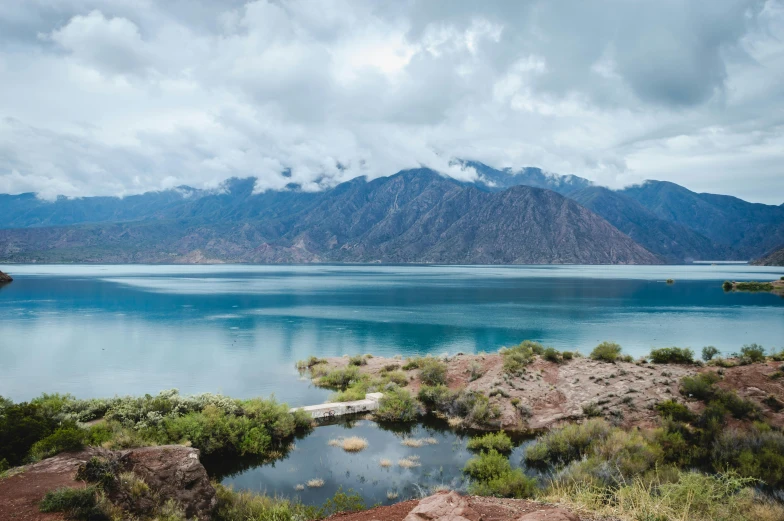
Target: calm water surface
[(106, 330)]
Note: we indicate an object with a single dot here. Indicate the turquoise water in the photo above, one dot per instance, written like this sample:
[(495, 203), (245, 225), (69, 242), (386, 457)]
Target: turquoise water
[(130, 329)]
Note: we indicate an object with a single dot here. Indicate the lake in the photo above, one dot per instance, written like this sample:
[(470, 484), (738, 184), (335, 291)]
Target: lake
[(134, 329)]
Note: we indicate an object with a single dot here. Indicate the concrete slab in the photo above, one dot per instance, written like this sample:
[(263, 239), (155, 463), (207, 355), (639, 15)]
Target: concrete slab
[(333, 409)]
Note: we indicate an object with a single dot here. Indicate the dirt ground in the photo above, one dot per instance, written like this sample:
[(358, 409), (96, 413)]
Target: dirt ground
[(552, 394), (21, 492)]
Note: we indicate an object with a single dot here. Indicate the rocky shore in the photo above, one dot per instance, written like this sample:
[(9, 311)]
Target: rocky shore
[(550, 394), (5, 278)]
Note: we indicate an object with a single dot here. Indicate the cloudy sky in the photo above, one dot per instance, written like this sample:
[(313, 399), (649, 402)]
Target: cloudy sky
[(124, 96)]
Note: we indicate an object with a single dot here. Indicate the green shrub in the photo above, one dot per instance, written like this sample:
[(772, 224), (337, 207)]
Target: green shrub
[(517, 358), (752, 354), (312, 361), (739, 408), (75, 503), (397, 405), (708, 352), (21, 426), (672, 355), (357, 360), (727, 286), (700, 386), (591, 410), (755, 454), (475, 408), (436, 397), (100, 471), (552, 355), (475, 371), (498, 441), (511, 484), (340, 379), (567, 355), (66, 438), (670, 281), (606, 352), (414, 363), (564, 445), (675, 411), (432, 372)]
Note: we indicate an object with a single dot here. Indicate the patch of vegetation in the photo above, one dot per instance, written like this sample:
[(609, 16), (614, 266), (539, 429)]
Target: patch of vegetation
[(432, 371), (757, 453), (397, 405), (74, 503), (311, 362), (472, 406), (475, 371), (753, 286), (562, 446), (727, 286), (606, 352), (670, 281), (708, 352), (212, 423), (672, 355), (245, 506), (591, 410), (552, 355), (357, 360), (752, 354), (492, 475), (700, 386), (497, 441), (517, 358), (567, 355), (675, 411)]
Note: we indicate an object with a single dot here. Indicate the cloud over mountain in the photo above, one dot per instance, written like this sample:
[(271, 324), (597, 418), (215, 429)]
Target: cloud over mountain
[(105, 97)]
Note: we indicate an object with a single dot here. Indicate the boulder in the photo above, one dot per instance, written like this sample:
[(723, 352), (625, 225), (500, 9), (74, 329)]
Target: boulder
[(173, 472), (551, 514), (4, 278), (445, 506)]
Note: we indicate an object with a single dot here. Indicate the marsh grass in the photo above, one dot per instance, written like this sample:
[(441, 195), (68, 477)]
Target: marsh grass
[(315, 483), (385, 463), (354, 444), (409, 462)]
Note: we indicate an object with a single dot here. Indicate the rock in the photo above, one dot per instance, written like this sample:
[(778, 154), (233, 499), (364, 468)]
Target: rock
[(446, 506), (173, 472), (552, 514), (5, 278)]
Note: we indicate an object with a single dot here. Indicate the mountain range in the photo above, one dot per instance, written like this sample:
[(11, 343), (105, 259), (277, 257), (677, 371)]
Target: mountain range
[(415, 216)]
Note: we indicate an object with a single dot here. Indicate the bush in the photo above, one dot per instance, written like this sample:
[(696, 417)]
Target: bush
[(675, 411), (753, 286), (517, 358), (552, 355), (672, 355), (397, 405), (708, 352), (357, 360), (66, 438), (756, 454), (567, 355), (21, 426), (340, 379), (727, 286), (75, 503), (435, 397), (494, 476), (700, 386), (606, 352), (564, 445), (475, 371), (591, 410), (432, 372), (498, 441), (752, 354)]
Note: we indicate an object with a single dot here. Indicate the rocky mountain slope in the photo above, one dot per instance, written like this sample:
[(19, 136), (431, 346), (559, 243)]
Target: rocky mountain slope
[(413, 216), (774, 258)]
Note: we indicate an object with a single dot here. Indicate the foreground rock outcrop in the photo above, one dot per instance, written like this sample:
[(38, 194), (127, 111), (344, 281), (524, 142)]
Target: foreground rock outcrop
[(451, 506), (5, 278), (171, 472)]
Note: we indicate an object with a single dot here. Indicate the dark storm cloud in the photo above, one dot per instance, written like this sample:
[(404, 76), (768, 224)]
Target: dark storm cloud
[(119, 96)]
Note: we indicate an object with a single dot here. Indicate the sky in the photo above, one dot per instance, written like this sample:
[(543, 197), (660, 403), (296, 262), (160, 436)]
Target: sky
[(115, 97)]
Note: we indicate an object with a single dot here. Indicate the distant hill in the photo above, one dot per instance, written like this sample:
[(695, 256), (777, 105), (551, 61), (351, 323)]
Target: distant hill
[(774, 258), (413, 216), (751, 229), (670, 240)]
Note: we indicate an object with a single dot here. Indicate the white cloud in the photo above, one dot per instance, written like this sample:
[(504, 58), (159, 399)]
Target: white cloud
[(107, 97)]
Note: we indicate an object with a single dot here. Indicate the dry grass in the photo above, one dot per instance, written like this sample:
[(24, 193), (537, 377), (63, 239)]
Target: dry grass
[(435, 489), (299, 487), (334, 443), (315, 483), (409, 462), (385, 463), (418, 442), (694, 497), (354, 444), (392, 494)]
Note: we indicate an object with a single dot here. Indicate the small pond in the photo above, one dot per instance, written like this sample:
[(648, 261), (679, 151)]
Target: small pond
[(437, 462)]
